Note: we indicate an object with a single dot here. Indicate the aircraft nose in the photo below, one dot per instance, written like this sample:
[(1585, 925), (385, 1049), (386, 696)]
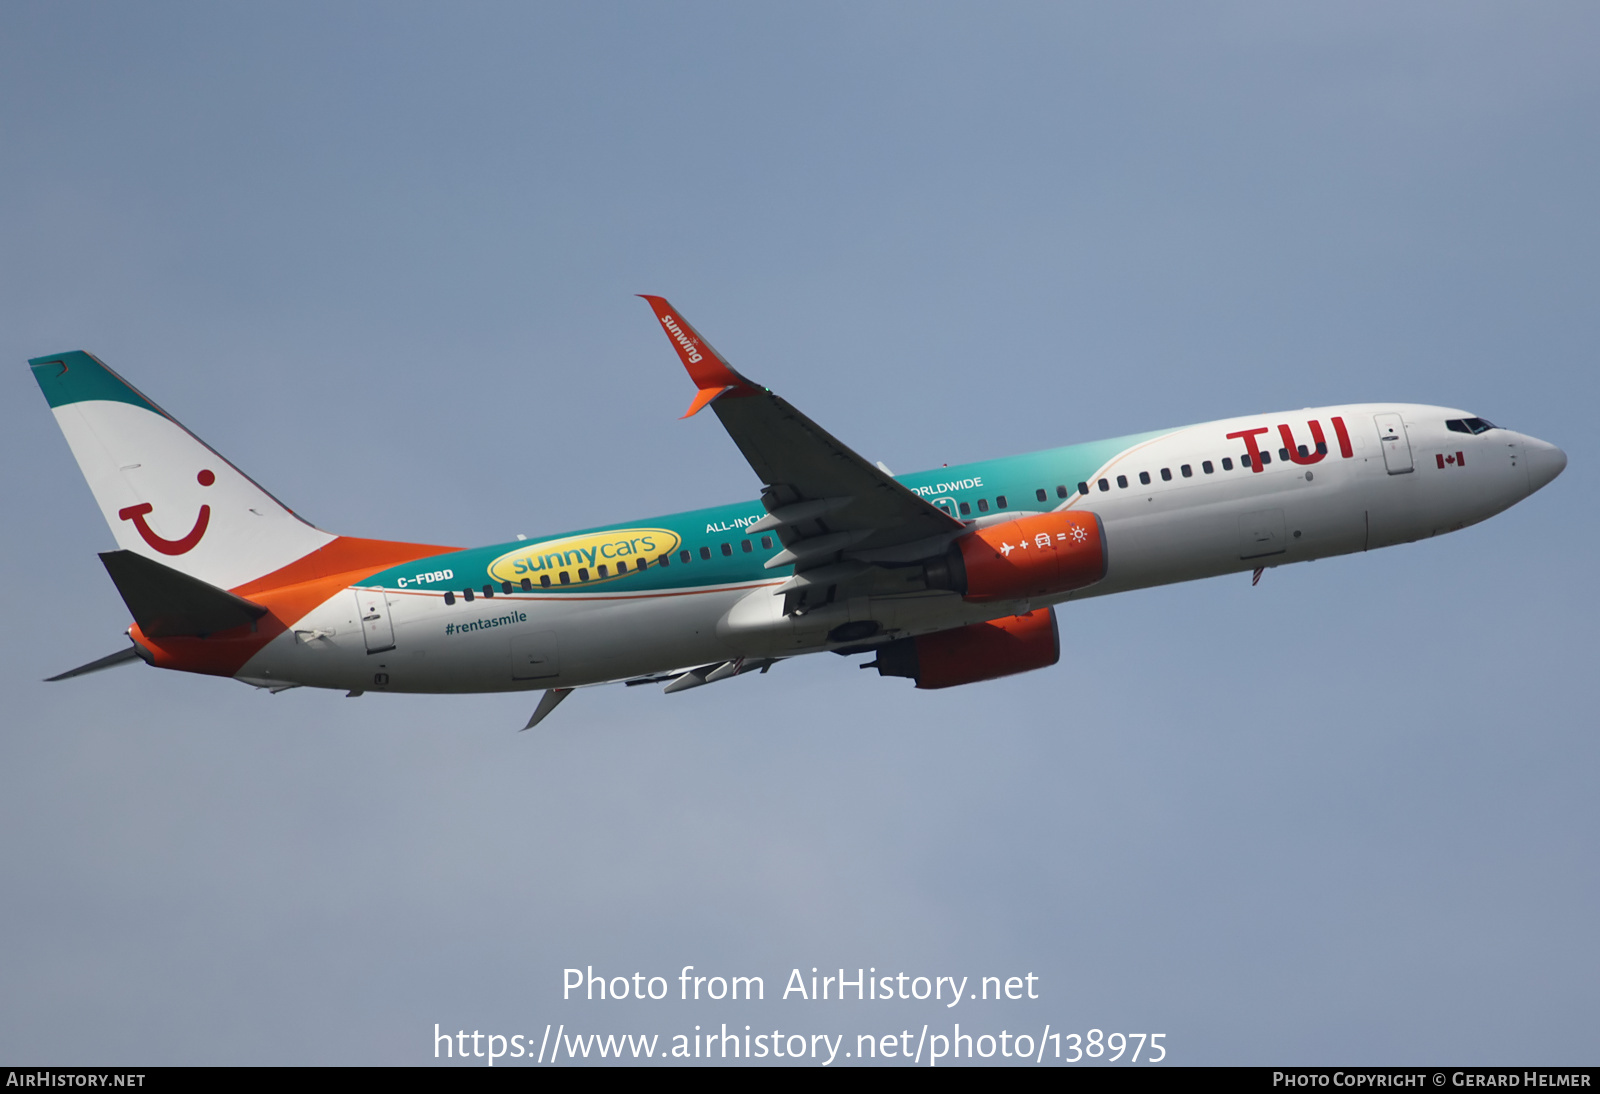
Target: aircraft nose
[(1545, 462)]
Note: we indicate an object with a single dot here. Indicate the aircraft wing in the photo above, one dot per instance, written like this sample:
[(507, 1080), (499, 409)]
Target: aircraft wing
[(830, 507)]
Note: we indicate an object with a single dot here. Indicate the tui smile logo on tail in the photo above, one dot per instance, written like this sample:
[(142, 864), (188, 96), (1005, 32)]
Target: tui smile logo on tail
[(136, 513)]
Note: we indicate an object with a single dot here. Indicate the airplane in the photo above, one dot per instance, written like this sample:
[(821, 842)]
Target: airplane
[(946, 577)]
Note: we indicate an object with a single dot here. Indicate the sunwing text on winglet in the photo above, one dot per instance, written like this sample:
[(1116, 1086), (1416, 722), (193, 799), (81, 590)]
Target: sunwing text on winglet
[(711, 373)]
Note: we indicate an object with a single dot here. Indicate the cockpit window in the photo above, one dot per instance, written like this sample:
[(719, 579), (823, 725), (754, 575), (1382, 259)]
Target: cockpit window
[(1470, 425)]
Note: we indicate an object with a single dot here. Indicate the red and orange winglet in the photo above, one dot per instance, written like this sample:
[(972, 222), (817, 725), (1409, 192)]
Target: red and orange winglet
[(707, 368)]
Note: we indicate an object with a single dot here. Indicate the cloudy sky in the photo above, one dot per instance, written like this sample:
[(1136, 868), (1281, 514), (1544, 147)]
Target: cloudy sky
[(383, 256)]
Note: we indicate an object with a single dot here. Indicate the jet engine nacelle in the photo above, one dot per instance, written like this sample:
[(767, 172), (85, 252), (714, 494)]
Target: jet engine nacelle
[(979, 651), (1017, 559)]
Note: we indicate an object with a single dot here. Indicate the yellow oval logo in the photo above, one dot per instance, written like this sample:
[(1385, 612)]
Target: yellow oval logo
[(603, 556)]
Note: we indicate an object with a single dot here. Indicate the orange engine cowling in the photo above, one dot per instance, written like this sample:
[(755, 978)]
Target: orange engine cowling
[(1030, 556), (979, 651)]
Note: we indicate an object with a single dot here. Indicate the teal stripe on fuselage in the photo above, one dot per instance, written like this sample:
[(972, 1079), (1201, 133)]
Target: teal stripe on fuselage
[(1017, 478)]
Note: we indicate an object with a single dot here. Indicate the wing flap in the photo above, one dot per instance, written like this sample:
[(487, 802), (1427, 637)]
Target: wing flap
[(801, 462)]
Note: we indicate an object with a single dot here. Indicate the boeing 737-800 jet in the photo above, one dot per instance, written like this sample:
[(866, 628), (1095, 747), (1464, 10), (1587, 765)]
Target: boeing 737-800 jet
[(946, 577)]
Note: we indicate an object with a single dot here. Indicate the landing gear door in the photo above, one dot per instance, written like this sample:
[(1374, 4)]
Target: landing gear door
[(1396, 446), (372, 608)]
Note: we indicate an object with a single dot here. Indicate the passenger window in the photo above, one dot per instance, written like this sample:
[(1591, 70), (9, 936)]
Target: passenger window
[(1104, 485), (983, 505), (449, 597), (602, 570), (1061, 491), (1000, 501), (1244, 461), (622, 566), (1186, 471), (766, 543), (1144, 478), (746, 546), (663, 560), (467, 595), (488, 591), (705, 554), (544, 581), (727, 550), (1205, 465), (1122, 481), (527, 584), (1227, 463), (1166, 474), (583, 573), (966, 510), (684, 556), (1040, 494), (1266, 458), (1283, 453), (1083, 488), (566, 578), (1322, 448), (1303, 452), (505, 587)]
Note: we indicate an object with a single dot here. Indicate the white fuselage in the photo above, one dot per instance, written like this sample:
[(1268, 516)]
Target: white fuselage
[(1424, 480)]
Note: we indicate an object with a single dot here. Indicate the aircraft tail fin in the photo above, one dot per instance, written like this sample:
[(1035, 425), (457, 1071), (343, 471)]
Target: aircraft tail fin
[(169, 497)]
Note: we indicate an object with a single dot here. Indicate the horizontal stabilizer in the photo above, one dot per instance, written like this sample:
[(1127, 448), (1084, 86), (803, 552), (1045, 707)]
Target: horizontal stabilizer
[(121, 657), (166, 602)]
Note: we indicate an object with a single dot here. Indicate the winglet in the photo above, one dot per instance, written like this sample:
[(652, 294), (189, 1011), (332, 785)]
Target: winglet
[(708, 369)]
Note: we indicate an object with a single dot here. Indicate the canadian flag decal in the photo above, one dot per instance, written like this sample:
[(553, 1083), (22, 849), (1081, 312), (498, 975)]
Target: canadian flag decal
[(1457, 460)]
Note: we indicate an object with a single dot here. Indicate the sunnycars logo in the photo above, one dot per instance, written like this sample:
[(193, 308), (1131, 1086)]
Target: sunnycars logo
[(587, 552)]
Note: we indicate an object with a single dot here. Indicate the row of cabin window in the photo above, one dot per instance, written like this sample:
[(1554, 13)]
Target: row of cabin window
[(983, 505), (684, 556), (1187, 471), (565, 576)]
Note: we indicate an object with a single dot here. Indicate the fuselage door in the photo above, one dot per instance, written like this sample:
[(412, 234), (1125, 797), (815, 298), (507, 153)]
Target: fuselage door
[(1396, 446), (372, 608), (534, 656), (1261, 533)]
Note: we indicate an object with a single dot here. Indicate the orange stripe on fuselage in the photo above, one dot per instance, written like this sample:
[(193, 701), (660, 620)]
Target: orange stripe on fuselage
[(287, 594)]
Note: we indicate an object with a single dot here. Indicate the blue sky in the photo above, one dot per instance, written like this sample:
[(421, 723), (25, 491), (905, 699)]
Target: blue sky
[(383, 257)]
